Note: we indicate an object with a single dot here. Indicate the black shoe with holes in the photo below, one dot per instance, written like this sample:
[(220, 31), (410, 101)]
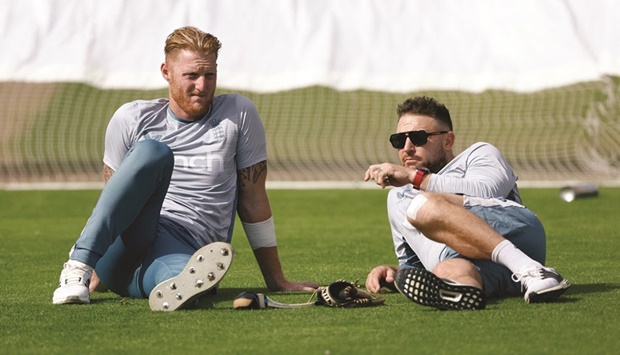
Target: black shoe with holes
[(423, 287)]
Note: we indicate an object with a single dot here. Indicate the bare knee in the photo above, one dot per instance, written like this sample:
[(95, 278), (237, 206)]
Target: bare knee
[(427, 208), (459, 270)]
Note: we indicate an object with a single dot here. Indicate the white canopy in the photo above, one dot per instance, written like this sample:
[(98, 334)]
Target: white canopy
[(274, 45)]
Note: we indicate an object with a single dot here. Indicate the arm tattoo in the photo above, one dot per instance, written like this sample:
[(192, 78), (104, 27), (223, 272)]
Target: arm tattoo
[(107, 173), (252, 173)]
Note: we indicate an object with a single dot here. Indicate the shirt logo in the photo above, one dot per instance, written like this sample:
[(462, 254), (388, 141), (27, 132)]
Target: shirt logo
[(209, 162)]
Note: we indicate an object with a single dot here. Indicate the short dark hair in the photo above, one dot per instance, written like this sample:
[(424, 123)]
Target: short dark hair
[(427, 106)]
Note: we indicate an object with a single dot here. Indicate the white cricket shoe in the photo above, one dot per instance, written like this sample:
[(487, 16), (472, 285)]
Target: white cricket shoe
[(204, 270), (541, 284), (73, 284)]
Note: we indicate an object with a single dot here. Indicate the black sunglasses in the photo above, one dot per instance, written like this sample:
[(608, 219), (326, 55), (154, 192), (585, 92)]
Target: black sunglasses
[(418, 138)]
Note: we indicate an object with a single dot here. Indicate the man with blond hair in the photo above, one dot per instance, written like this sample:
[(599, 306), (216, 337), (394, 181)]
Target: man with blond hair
[(177, 172)]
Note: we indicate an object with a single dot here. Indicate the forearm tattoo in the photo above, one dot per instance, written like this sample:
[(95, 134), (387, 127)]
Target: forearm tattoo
[(252, 174), (107, 173)]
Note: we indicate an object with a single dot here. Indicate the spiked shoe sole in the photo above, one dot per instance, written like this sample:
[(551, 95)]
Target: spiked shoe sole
[(203, 271)]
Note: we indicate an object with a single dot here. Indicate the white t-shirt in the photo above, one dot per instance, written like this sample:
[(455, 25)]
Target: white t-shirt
[(207, 155), (481, 170)]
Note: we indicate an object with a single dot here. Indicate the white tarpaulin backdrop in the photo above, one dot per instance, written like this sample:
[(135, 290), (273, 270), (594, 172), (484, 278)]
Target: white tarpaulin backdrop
[(273, 45)]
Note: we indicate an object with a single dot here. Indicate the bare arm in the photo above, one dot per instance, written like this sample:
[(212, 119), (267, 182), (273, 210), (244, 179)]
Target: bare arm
[(388, 174), (253, 201), (254, 207), (107, 173)]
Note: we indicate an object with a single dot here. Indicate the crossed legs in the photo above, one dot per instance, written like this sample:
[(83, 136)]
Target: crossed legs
[(443, 218)]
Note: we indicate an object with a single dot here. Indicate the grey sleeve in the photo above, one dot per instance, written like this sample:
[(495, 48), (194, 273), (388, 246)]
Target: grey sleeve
[(117, 136), (252, 143), (480, 171)]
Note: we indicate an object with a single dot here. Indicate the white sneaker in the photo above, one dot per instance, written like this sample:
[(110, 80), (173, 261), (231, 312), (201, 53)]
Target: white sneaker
[(73, 284), (204, 270), (541, 284)]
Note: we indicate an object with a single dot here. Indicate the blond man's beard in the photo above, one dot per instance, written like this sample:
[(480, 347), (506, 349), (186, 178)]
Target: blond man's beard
[(183, 100)]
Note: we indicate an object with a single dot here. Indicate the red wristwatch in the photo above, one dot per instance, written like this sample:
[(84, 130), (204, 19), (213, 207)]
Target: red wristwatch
[(419, 175)]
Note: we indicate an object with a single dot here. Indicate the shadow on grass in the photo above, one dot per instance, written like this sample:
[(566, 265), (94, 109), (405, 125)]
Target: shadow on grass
[(208, 301), (572, 295), (582, 289), (227, 295)]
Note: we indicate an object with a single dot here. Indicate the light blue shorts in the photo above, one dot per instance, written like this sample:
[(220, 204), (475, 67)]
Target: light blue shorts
[(517, 224)]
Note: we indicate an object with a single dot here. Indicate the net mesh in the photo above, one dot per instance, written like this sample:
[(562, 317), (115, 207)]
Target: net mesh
[(54, 132)]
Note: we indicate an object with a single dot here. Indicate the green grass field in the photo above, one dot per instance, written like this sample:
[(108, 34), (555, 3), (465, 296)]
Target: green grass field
[(323, 236)]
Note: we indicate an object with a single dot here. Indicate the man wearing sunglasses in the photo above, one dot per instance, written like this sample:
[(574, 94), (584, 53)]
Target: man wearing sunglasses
[(459, 230)]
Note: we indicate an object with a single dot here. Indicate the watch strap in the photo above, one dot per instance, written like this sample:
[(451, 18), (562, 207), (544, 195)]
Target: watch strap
[(419, 175)]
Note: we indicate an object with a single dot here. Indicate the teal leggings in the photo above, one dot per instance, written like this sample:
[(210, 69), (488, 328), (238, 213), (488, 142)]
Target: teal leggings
[(130, 247)]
